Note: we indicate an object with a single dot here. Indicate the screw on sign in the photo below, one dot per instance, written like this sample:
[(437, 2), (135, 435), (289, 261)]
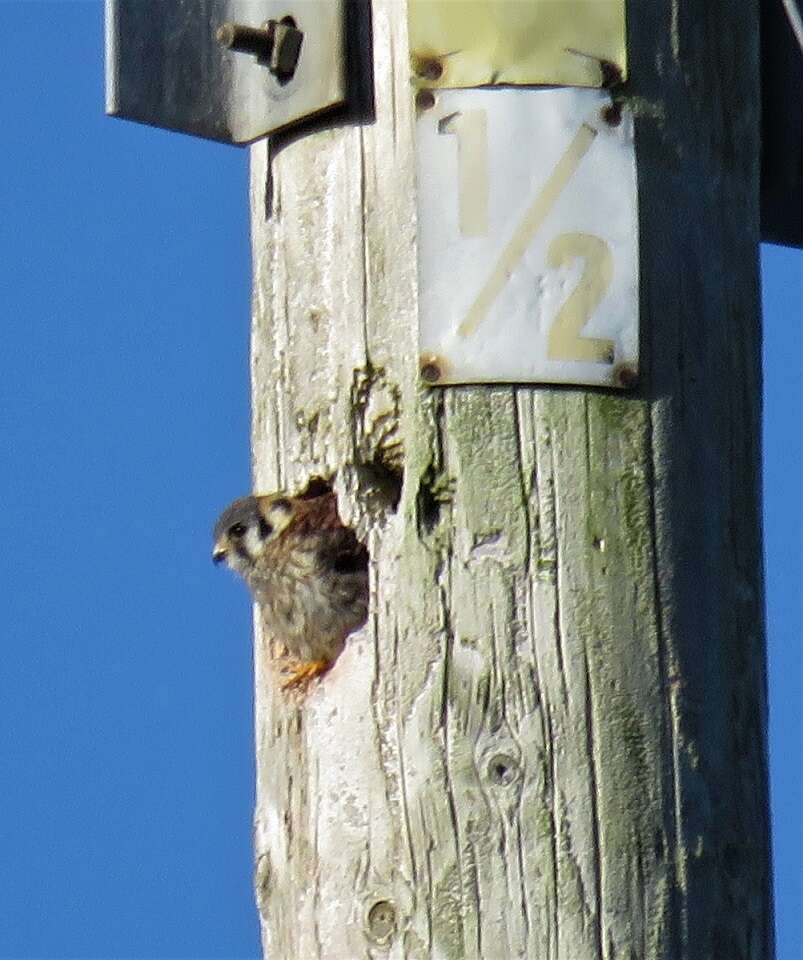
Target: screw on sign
[(425, 100), (431, 368), (428, 68)]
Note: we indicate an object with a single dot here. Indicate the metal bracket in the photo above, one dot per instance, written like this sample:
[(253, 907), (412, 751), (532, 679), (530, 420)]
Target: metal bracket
[(185, 64), (781, 125)]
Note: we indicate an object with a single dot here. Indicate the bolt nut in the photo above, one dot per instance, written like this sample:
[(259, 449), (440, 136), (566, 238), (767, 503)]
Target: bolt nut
[(286, 50)]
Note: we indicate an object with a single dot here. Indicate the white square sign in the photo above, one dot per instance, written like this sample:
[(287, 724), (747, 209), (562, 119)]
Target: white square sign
[(527, 237)]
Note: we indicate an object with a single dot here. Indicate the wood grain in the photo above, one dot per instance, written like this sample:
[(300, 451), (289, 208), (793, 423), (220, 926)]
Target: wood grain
[(549, 741)]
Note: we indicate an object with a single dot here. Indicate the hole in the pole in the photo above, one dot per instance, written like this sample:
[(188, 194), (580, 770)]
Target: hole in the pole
[(502, 770), (382, 481), (434, 491), (381, 921), (316, 487), (338, 606), (429, 509)]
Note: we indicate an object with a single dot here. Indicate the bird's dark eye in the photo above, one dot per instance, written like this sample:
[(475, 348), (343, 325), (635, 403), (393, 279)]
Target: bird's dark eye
[(265, 529), (237, 530)]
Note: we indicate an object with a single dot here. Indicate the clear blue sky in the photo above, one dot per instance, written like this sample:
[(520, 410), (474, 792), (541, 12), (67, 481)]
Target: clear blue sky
[(126, 771)]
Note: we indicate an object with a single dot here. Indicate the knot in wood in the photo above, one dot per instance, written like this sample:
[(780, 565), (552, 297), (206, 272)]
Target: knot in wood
[(381, 921)]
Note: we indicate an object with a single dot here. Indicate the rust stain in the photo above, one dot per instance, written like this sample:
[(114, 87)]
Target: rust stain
[(431, 368), (625, 375)]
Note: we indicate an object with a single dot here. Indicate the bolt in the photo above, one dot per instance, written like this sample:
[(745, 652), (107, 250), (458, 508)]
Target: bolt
[(243, 39), (624, 375), (612, 114), (425, 100), (286, 49), (276, 45), (429, 68), (430, 371), (611, 73)]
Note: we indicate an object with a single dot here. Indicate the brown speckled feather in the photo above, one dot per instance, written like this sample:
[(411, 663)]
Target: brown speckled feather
[(341, 552), (307, 571)]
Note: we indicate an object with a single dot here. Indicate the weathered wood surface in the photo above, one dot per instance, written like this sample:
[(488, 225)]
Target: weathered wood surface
[(549, 740)]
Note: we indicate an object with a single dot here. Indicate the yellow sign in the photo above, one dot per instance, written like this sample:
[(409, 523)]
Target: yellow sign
[(472, 43)]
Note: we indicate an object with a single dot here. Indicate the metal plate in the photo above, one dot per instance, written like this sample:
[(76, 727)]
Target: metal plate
[(478, 42), (528, 238), (164, 66), (781, 127)]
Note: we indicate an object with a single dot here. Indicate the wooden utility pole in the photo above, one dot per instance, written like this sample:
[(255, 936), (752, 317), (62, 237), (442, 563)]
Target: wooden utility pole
[(549, 741)]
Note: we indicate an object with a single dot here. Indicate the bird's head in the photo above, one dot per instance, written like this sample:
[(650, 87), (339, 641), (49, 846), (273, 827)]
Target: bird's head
[(246, 528)]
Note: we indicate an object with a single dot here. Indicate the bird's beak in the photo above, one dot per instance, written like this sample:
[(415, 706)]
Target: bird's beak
[(218, 554)]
